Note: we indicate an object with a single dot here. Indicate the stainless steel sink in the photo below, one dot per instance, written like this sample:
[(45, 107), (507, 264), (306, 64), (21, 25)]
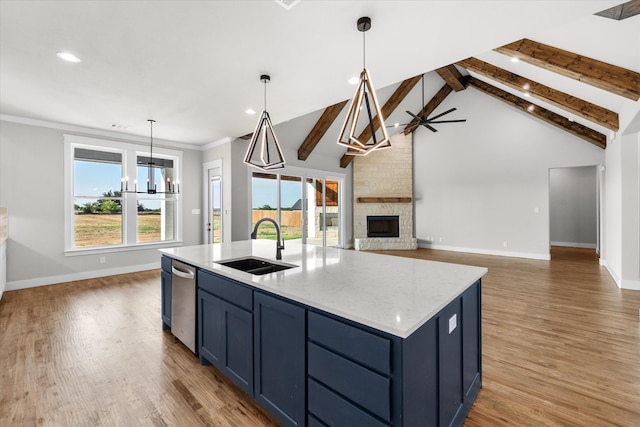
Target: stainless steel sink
[(257, 266)]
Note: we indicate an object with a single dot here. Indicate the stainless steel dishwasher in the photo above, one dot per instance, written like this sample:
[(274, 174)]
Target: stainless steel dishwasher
[(183, 303)]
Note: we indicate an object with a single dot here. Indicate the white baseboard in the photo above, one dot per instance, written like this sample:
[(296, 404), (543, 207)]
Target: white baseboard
[(543, 257), (84, 275), (631, 284), (575, 245), (622, 283)]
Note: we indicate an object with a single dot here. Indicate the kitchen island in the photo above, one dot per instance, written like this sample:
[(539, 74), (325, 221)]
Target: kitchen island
[(341, 338)]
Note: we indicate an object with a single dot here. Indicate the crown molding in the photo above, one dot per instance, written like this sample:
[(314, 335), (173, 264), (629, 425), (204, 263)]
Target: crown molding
[(96, 132)]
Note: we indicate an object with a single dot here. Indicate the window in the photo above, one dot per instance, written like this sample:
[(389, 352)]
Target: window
[(103, 209), (310, 213)]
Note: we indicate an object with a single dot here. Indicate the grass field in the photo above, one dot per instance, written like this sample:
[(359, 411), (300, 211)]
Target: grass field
[(268, 231), (101, 229)]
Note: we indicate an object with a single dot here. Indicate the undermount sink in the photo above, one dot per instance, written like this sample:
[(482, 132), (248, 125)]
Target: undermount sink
[(257, 266)]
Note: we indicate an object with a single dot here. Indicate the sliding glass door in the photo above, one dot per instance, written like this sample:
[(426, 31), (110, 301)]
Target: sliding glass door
[(310, 213)]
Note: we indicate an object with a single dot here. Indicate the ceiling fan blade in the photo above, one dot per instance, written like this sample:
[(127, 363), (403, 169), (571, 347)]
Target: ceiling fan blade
[(441, 114), (413, 115), (448, 121), (432, 129)]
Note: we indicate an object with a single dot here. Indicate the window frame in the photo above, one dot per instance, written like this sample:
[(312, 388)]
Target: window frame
[(130, 153)]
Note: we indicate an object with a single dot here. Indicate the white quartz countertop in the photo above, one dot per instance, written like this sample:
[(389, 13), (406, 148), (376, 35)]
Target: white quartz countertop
[(393, 294)]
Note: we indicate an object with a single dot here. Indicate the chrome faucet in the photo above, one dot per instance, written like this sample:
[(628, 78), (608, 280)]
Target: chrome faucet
[(279, 242)]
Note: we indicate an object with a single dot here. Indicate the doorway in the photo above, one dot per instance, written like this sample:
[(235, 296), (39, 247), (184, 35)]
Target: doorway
[(213, 202), (574, 208)]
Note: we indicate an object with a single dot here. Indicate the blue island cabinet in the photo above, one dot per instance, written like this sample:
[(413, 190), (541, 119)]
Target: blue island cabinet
[(359, 376), (280, 369), (225, 328), (165, 291)]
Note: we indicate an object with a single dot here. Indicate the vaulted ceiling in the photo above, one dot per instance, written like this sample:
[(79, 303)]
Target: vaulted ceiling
[(195, 66), (612, 79)]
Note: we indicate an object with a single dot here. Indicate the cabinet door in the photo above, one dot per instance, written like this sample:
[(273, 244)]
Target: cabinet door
[(226, 339), (210, 329), (450, 355), (471, 339), (238, 346), (279, 348), (165, 290)]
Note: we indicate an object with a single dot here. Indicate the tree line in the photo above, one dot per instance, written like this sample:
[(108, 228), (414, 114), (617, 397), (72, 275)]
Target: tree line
[(108, 206)]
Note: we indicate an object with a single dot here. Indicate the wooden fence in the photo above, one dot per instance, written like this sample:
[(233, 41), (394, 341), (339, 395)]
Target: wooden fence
[(289, 218)]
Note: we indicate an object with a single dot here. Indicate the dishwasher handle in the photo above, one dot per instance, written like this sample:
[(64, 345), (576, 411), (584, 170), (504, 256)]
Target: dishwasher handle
[(188, 274)]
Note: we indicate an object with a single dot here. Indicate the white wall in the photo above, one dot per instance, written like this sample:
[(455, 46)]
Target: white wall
[(573, 206), (478, 184), (32, 177)]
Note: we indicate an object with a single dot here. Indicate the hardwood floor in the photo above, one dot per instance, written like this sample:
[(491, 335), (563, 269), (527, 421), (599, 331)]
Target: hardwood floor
[(561, 346)]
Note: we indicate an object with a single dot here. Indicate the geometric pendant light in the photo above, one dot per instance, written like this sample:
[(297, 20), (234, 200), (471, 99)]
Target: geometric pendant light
[(364, 109), (264, 150)]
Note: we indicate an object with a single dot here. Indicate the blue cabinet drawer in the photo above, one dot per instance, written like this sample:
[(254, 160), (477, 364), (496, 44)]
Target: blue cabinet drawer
[(227, 289), (362, 386), (165, 262), (367, 349), (333, 410)]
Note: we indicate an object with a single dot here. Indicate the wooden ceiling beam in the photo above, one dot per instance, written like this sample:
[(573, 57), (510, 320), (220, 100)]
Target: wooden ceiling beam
[(392, 103), (577, 106), (322, 125), (622, 11), (452, 76), (617, 80), (429, 108), (581, 131)]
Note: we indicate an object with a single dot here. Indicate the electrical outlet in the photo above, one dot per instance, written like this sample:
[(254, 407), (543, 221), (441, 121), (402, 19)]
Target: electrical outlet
[(505, 244), (440, 239), (103, 260)]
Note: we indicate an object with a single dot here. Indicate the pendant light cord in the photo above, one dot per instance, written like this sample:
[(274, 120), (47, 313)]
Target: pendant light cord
[(265, 95), (364, 50)]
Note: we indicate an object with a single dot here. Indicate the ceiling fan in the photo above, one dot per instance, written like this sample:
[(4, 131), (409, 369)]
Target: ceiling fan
[(428, 121)]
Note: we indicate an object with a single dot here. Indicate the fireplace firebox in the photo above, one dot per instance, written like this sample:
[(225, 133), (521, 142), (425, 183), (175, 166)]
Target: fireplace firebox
[(383, 226)]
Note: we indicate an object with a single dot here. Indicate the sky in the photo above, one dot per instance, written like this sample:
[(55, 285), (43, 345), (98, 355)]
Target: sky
[(96, 178), (264, 192)]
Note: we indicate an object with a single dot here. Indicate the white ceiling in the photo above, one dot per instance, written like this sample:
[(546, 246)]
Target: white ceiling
[(194, 66)]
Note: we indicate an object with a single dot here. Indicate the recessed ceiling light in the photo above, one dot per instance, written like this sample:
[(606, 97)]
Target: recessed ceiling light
[(526, 86), (530, 107), (353, 80), (395, 125), (70, 57), (250, 111), (515, 59)]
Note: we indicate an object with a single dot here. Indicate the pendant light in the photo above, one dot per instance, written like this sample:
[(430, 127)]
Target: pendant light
[(152, 186), (364, 102), (264, 150)]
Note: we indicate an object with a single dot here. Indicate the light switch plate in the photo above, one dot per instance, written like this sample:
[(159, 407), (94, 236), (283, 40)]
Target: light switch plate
[(195, 211), (453, 323)]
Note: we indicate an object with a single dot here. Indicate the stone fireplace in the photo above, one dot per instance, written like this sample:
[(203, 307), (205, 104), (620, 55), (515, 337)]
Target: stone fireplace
[(383, 192)]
